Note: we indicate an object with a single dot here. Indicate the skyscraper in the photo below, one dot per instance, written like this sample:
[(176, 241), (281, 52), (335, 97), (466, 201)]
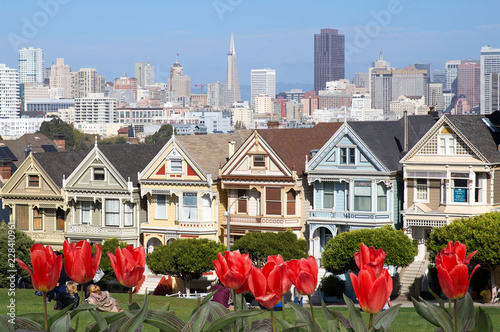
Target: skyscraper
[(232, 83), (451, 69), (60, 77), (86, 81), (263, 81), (9, 92), (468, 83), (31, 65), (145, 74), (216, 95), (180, 83), (329, 58), (490, 64)]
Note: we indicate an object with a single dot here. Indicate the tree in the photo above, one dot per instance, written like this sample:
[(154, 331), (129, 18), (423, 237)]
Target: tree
[(109, 245), (239, 125), (75, 140), (165, 132), (13, 244), (481, 233), (186, 259), (338, 256), (114, 140), (260, 245)]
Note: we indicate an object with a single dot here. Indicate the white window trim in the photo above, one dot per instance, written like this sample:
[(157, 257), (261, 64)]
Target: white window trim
[(415, 192), (170, 170), (81, 213), (157, 216), (447, 138), (348, 147)]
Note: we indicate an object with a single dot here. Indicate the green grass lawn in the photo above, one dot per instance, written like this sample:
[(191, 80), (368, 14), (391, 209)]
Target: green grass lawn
[(27, 302)]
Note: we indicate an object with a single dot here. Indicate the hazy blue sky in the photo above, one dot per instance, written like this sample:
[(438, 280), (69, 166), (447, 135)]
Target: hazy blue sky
[(112, 35)]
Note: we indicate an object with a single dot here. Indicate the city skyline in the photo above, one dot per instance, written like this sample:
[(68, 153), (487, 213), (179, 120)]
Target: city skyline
[(202, 34)]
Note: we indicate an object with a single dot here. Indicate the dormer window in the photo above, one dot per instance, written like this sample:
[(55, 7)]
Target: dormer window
[(33, 181), (176, 165), (98, 174), (347, 156), (259, 160)]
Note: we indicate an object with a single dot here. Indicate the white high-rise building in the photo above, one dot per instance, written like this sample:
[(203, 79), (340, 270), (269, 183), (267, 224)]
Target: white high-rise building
[(31, 65), (86, 81), (490, 64), (95, 109), (60, 77), (216, 95), (451, 70), (264, 104), (263, 81), (145, 74), (9, 92)]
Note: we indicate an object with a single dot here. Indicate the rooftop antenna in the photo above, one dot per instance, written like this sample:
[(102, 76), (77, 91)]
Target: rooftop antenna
[(177, 57), (381, 58)]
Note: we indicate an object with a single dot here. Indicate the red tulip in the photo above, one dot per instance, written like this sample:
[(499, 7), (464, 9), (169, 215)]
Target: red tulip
[(265, 285), (452, 269), (370, 257), (304, 274), (79, 264), (128, 265), (243, 288), (46, 267), (286, 282), (372, 291), (233, 268)]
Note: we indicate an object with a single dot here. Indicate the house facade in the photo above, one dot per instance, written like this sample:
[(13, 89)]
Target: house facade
[(450, 173)]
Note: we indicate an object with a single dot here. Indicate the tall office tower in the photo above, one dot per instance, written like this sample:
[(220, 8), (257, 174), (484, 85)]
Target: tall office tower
[(31, 65), (9, 92), (439, 76), (180, 83), (126, 83), (409, 81), (232, 83), (145, 74), (380, 64), (263, 81), (490, 64), (436, 96), (451, 69), (60, 77), (426, 67), (95, 109), (216, 95), (495, 91), (381, 88), (86, 81), (329, 58), (469, 83)]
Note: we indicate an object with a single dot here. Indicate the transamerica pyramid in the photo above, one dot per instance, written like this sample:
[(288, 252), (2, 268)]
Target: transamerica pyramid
[(232, 83)]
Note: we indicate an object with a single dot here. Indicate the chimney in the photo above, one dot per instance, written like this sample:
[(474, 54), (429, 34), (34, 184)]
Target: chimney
[(5, 170), (60, 140), (406, 131), (231, 148)]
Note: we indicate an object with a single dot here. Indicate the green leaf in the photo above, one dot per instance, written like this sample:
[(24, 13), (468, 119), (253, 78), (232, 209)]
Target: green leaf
[(133, 323), (34, 316), (335, 315), (424, 312), (216, 311), (483, 321), (166, 307), (292, 329), (133, 306), (27, 324), (441, 315), (227, 319), (262, 325), (109, 319), (101, 323), (63, 324), (117, 324), (5, 325), (284, 323), (165, 321), (385, 318), (333, 325), (354, 316), (465, 308), (198, 320), (82, 307), (440, 300), (304, 316)]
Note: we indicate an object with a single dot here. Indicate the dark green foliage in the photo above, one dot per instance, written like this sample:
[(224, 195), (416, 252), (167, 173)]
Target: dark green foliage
[(165, 132), (332, 285), (75, 140), (109, 245), (114, 140), (338, 256), (19, 244), (260, 245), (186, 259)]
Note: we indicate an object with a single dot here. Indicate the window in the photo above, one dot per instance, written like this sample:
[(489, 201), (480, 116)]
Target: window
[(176, 165), (37, 220), (347, 156), (328, 188), (112, 212), (362, 196), (273, 201), (22, 217), (259, 161), (421, 190), (98, 174), (161, 207), (290, 202), (478, 190), (206, 207), (381, 197), (460, 190), (33, 181), (189, 206), (242, 203), (61, 217), (128, 214), (86, 212), (446, 144)]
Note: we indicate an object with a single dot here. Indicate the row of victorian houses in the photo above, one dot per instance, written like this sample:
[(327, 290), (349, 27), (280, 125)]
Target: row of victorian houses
[(414, 174)]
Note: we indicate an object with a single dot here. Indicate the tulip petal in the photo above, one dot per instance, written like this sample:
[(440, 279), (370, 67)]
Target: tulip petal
[(460, 277), (446, 283), (306, 283), (27, 269), (377, 296), (54, 273), (257, 282)]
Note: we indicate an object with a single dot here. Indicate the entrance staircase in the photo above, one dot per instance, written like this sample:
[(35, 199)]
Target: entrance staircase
[(411, 278)]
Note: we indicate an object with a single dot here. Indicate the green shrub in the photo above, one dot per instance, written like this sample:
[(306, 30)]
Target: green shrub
[(332, 285)]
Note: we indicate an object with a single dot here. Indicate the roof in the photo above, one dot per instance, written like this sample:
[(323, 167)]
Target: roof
[(293, 145), (212, 151), (386, 138), (60, 164), (37, 141)]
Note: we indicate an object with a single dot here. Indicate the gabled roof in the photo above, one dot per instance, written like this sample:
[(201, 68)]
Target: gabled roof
[(386, 138), (293, 145), (212, 150), (18, 146), (60, 164)]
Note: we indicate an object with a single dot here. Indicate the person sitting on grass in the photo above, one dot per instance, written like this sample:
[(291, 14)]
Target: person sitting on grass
[(70, 296), (102, 299)]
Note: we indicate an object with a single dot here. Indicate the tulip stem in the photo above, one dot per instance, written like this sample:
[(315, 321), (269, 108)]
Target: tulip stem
[(312, 312), (234, 305), (283, 306), (242, 302), (272, 318), (45, 310), (130, 296), (456, 315), (370, 322)]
